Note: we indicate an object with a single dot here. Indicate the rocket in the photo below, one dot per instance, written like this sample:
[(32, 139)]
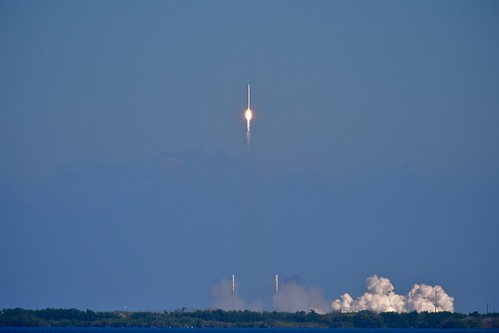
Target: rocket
[(248, 115)]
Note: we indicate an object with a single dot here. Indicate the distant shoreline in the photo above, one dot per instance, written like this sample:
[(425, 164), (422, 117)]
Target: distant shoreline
[(244, 319)]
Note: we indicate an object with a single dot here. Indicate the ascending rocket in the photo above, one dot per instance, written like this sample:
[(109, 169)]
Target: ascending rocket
[(248, 114)]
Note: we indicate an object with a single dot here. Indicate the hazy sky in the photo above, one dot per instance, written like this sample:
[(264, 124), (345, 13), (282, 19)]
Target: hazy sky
[(125, 179)]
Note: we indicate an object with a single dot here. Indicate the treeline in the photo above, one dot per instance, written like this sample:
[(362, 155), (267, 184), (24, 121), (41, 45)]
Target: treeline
[(219, 318)]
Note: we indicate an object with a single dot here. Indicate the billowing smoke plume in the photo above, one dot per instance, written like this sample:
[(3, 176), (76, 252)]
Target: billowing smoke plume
[(381, 298), (425, 298), (226, 299), (293, 296)]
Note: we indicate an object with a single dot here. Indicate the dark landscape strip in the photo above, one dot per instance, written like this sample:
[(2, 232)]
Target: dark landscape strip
[(219, 318)]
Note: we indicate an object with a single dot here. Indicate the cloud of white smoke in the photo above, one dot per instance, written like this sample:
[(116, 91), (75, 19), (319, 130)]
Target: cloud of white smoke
[(428, 298), (381, 298), (294, 296)]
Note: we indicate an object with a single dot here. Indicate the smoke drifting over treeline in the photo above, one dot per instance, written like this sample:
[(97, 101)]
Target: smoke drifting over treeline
[(226, 299), (294, 296), (380, 297)]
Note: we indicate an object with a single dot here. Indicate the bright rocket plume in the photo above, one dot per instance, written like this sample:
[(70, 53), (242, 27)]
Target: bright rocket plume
[(248, 115)]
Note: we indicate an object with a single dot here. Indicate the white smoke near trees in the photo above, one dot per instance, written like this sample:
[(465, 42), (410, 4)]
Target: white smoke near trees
[(225, 298), (380, 297), (294, 296), (426, 298)]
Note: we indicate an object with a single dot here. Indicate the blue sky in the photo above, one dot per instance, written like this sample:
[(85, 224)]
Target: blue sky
[(125, 179)]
